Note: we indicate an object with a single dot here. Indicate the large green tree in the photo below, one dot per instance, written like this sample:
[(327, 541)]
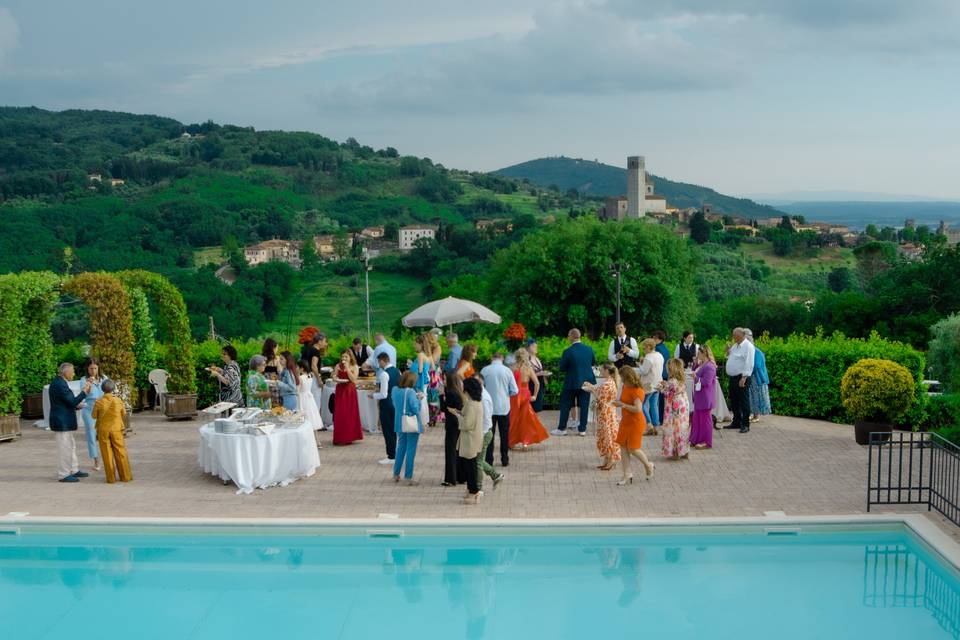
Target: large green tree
[(560, 277)]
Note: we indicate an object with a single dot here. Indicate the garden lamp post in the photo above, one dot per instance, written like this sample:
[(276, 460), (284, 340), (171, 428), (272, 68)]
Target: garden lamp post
[(616, 271), (366, 276)]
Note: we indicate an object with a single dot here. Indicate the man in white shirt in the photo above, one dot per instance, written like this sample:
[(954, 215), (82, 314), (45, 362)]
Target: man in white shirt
[(382, 346), (387, 378), (499, 381), (739, 368), (484, 467), (623, 351)]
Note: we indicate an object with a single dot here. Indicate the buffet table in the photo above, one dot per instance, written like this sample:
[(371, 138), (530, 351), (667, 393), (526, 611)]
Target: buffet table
[(369, 413), (259, 461)]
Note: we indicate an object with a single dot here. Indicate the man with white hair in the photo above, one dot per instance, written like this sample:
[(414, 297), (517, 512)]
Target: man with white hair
[(63, 422), (456, 351), (382, 346), (739, 368)]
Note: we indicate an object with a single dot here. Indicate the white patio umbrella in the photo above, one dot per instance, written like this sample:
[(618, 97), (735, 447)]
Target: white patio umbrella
[(440, 313)]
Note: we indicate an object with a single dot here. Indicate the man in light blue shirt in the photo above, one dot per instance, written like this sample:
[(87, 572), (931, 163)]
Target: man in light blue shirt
[(455, 352), (501, 384), (382, 347)]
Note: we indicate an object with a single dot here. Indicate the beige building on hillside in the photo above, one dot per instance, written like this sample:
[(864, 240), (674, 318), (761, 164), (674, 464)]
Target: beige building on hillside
[(273, 251)]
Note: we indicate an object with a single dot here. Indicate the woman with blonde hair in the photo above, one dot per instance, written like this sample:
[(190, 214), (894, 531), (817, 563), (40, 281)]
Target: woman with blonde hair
[(651, 377), (346, 406), (676, 412), (632, 425), (606, 415), (420, 365), (434, 375), (525, 426)]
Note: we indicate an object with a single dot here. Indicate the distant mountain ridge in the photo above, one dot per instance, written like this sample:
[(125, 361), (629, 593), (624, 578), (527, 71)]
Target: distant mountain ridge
[(597, 179), (858, 215)]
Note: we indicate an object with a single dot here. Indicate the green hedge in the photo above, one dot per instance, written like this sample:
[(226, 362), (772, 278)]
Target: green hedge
[(805, 371)]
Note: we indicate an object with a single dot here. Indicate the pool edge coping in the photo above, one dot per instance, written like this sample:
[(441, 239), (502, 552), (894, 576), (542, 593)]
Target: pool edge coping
[(918, 524)]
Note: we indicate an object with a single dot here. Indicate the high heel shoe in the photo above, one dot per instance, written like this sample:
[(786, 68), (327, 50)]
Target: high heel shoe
[(625, 482), (651, 470)]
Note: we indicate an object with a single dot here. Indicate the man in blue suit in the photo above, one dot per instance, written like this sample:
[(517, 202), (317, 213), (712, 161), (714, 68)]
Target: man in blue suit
[(576, 363), (63, 422)]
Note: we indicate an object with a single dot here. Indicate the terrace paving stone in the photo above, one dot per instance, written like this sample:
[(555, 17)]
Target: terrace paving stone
[(800, 467)]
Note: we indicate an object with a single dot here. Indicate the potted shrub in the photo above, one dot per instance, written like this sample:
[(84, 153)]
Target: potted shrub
[(876, 393)]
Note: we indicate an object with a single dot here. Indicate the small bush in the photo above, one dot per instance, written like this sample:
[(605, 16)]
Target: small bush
[(877, 390), (944, 353)]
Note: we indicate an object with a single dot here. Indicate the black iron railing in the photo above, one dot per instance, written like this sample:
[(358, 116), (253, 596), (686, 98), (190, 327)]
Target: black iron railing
[(914, 468)]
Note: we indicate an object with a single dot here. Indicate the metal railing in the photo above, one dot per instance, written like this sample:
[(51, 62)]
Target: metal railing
[(914, 468)]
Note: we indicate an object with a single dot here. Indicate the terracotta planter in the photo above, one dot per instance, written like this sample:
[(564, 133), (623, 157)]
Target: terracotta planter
[(863, 429), (9, 427), (32, 405), (180, 406)]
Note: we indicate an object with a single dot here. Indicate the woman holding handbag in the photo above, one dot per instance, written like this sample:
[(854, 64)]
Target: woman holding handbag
[(407, 424)]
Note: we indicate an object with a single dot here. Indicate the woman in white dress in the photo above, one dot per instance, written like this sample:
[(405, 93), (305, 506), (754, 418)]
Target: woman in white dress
[(308, 406)]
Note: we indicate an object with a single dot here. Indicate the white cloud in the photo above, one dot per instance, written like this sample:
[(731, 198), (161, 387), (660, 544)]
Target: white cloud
[(9, 33)]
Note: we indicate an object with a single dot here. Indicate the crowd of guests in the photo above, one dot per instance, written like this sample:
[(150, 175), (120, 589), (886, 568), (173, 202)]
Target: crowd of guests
[(643, 390)]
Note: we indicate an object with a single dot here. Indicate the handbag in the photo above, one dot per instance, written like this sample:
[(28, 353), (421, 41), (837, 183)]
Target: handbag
[(697, 386), (408, 424)]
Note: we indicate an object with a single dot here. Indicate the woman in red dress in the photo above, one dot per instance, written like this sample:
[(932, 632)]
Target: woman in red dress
[(525, 426), (346, 408)]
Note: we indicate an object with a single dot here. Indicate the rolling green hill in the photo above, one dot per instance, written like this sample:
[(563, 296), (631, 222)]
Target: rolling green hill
[(596, 179)]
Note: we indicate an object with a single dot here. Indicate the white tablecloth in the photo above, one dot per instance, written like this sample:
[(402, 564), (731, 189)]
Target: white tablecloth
[(720, 410), (258, 462), (76, 386), (369, 414)]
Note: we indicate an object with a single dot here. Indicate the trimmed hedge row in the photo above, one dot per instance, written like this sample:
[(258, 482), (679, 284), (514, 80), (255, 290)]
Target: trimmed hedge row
[(805, 371)]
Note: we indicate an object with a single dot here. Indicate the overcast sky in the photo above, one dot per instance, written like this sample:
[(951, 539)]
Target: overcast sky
[(746, 96)]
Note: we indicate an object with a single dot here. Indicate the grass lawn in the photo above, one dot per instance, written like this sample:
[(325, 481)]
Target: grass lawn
[(207, 255), (336, 304), (828, 258)]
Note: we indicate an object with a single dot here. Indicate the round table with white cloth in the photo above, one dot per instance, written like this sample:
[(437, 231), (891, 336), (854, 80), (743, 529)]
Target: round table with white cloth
[(720, 410), (369, 412), (259, 461)]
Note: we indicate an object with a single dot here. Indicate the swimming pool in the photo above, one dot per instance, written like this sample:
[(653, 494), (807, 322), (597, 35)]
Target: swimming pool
[(394, 580)]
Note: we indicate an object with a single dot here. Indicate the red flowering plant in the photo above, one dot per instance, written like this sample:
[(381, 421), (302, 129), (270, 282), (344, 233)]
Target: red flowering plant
[(306, 334), (515, 335)]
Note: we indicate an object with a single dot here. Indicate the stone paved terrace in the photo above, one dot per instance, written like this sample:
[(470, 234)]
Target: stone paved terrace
[(801, 467)]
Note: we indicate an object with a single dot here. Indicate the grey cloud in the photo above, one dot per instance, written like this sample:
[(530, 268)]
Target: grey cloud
[(570, 51)]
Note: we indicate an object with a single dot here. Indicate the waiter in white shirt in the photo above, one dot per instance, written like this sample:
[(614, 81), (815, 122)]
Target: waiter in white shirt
[(623, 351), (739, 369)]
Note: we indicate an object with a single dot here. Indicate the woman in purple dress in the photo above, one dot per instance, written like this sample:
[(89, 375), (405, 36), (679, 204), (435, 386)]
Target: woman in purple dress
[(704, 397)]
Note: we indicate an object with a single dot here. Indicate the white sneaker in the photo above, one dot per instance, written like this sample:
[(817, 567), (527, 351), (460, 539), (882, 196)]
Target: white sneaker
[(558, 432), (385, 461), (582, 434)]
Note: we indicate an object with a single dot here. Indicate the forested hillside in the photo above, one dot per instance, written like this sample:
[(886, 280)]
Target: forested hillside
[(596, 179), (122, 190)]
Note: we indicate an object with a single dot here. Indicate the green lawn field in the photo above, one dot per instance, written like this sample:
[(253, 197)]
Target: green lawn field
[(336, 304)]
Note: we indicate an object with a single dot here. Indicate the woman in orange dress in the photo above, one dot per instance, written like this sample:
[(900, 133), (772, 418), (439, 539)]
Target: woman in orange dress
[(525, 426), (465, 366), (632, 425), (606, 416)]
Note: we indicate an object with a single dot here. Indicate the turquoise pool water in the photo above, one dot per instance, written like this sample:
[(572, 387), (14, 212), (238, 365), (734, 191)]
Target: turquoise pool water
[(72, 583)]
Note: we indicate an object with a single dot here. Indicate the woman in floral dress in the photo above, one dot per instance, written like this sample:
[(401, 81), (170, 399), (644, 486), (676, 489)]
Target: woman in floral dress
[(258, 390), (606, 416), (676, 415)]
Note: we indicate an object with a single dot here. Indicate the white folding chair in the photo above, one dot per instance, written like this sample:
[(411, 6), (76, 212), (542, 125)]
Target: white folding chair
[(158, 378)]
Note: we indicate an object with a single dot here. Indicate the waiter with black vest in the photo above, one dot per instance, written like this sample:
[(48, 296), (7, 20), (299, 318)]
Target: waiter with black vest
[(623, 351)]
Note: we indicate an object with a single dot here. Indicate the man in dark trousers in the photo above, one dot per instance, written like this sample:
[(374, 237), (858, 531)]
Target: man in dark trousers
[(576, 364), (387, 378), (63, 422)]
